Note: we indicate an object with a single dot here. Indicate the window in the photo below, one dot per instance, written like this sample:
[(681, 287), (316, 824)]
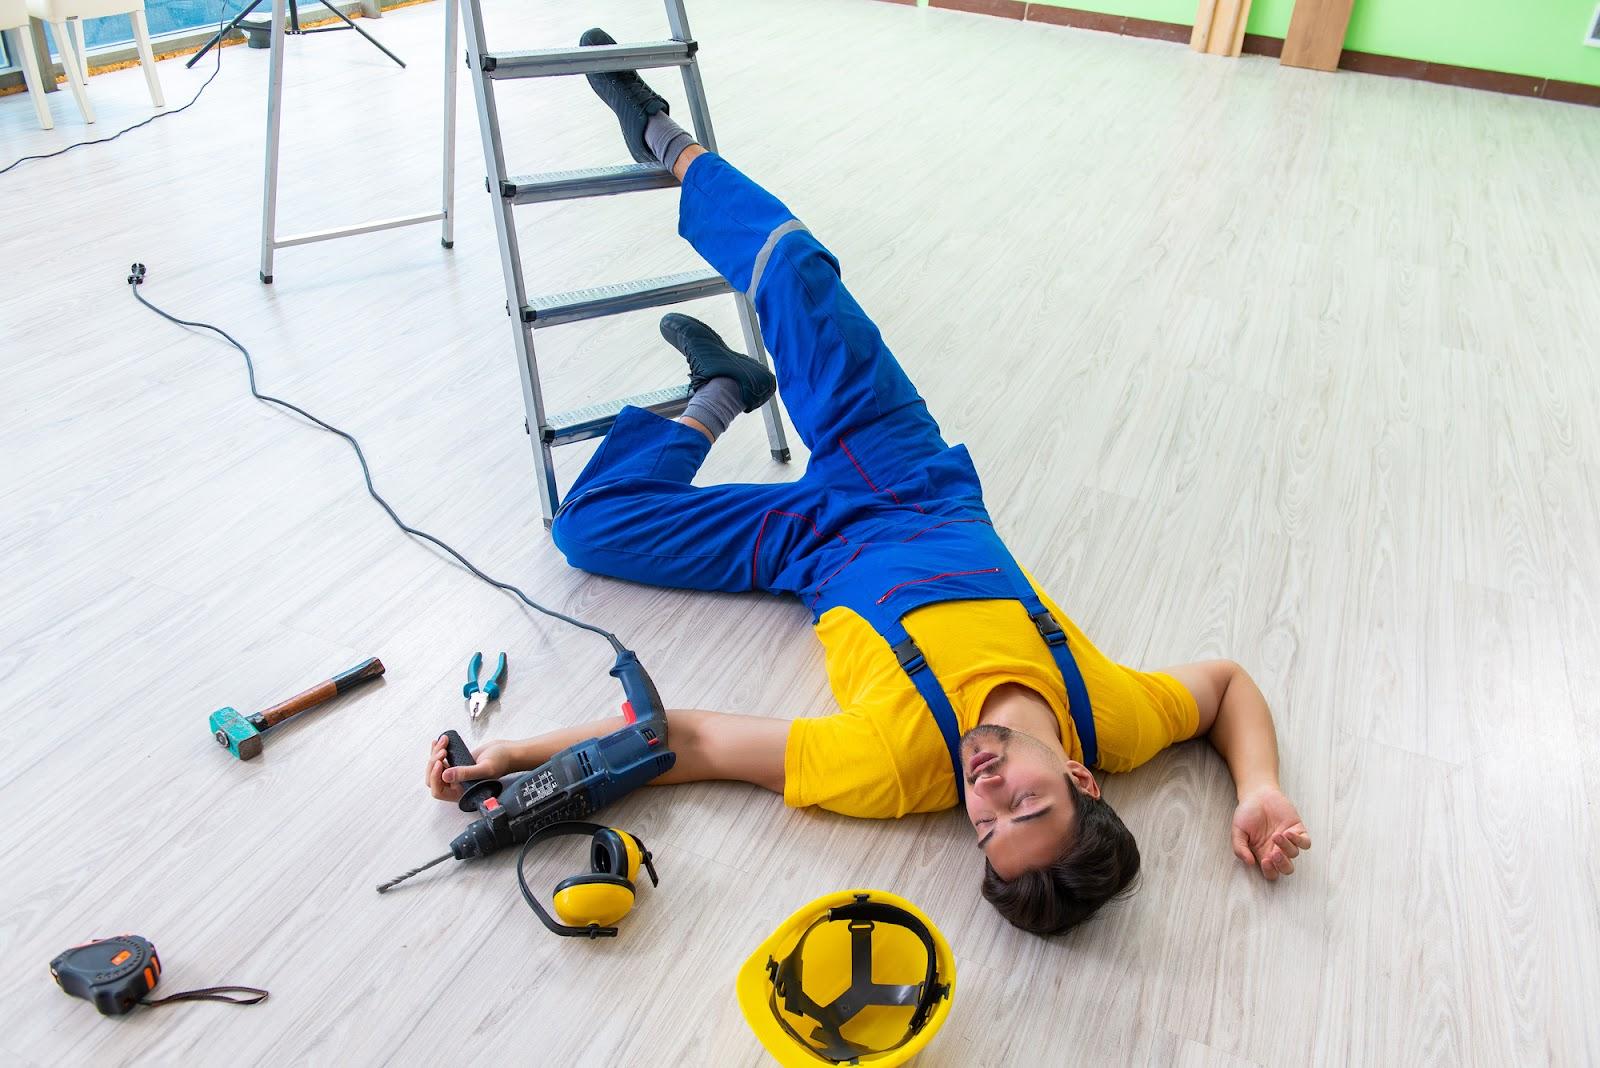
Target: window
[(166, 16)]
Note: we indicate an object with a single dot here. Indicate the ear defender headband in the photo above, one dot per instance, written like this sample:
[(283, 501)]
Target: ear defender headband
[(591, 904)]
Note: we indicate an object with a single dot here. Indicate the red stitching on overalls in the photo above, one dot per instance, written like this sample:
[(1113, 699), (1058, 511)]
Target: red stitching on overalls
[(818, 595), (755, 553), (946, 523), (869, 481), (935, 578)]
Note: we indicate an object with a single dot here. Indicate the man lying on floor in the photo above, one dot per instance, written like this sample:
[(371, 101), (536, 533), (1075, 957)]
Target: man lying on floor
[(958, 679)]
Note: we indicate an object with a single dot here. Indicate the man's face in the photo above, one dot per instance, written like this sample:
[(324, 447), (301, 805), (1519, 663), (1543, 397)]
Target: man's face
[(1017, 798)]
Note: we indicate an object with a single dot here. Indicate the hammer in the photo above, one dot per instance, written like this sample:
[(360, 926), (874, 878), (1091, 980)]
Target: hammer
[(241, 735)]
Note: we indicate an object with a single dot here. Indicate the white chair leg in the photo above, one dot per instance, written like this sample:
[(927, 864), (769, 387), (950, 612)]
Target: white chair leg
[(141, 37), (74, 69), (78, 42), (30, 76)]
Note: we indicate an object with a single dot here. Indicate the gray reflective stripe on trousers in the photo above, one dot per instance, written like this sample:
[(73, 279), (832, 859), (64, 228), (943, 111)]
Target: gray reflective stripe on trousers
[(766, 253)]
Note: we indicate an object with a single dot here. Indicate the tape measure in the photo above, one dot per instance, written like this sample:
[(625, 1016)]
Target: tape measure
[(117, 973)]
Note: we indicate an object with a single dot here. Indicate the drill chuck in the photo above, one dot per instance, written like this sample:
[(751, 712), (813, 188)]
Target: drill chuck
[(478, 840)]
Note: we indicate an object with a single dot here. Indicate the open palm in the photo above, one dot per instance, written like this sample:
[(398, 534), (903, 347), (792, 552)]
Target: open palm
[(1268, 833)]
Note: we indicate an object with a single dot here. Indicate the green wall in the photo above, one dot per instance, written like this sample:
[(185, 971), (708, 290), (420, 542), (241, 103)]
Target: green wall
[(1539, 38)]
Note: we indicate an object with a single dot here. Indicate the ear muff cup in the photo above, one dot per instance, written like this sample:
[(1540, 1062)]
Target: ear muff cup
[(599, 900), (615, 853)]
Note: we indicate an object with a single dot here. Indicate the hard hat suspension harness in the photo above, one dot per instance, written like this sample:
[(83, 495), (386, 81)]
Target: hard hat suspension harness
[(826, 1039)]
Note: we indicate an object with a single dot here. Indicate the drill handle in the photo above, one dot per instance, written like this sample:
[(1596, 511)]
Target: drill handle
[(476, 791), (644, 703)]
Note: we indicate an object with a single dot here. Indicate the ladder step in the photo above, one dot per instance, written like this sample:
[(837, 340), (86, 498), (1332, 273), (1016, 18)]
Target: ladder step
[(595, 59), (593, 421), (588, 182), (623, 297)]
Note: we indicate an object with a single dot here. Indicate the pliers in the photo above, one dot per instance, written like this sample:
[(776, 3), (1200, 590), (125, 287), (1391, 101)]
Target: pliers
[(478, 698)]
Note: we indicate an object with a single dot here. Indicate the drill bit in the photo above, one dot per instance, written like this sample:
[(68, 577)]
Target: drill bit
[(397, 880)]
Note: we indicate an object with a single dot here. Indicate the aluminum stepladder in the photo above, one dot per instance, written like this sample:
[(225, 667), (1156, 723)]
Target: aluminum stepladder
[(535, 313)]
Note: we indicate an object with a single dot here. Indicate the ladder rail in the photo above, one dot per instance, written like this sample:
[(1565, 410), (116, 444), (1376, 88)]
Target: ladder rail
[(749, 324), (510, 262)]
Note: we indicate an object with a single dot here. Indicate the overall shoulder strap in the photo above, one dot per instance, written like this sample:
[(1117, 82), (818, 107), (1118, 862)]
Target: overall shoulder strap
[(914, 664), (1077, 693), (1055, 639)]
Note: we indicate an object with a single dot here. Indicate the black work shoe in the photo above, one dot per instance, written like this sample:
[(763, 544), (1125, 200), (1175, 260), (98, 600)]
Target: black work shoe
[(625, 93), (710, 358)]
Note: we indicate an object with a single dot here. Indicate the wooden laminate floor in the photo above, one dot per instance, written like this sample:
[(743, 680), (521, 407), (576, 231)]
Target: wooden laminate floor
[(1256, 362)]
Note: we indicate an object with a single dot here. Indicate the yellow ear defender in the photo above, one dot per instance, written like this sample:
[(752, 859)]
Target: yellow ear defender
[(591, 904)]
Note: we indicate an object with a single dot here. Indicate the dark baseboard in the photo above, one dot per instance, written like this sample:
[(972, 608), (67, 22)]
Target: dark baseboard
[(1094, 20), (1256, 44), (1006, 9)]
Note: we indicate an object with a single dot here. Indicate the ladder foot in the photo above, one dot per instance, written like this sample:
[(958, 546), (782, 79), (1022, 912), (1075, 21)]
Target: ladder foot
[(266, 279), (447, 244), (781, 455)]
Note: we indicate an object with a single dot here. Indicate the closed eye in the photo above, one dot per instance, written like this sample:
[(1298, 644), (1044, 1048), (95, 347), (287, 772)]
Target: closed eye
[(1037, 813)]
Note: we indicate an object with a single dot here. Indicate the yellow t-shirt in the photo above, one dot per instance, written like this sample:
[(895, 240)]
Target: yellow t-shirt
[(883, 755)]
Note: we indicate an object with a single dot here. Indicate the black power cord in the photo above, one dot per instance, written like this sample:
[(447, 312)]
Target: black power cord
[(136, 279), (175, 111)]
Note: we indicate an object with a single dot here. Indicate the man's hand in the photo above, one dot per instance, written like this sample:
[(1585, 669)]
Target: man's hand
[(492, 760), (1268, 832)]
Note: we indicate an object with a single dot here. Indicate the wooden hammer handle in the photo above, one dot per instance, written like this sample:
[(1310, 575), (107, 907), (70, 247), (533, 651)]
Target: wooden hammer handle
[(322, 691)]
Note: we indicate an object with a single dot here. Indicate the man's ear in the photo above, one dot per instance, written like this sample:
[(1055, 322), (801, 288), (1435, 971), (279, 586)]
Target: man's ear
[(1083, 778)]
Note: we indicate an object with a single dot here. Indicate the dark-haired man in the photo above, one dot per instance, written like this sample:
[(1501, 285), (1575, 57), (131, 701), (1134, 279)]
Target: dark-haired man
[(958, 679)]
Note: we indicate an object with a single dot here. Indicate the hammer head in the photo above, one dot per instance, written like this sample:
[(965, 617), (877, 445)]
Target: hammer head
[(235, 733)]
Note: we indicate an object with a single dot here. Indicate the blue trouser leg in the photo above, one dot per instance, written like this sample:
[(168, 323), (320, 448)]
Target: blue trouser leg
[(633, 514), (847, 396)]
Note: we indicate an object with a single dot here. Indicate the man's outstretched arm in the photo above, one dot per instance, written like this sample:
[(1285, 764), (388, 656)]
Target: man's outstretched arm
[(1267, 830), (709, 745)]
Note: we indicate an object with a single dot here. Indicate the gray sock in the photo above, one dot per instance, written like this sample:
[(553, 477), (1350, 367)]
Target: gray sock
[(715, 404), (665, 138)]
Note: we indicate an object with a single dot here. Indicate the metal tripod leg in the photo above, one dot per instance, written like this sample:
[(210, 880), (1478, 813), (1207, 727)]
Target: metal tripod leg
[(349, 25), (216, 38), (700, 115)]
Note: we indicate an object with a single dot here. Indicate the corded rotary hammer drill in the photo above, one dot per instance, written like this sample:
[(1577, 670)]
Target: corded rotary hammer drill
[(572, 784)]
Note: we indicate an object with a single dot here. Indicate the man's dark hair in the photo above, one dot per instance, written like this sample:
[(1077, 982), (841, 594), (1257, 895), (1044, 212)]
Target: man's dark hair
[(1100, 864)]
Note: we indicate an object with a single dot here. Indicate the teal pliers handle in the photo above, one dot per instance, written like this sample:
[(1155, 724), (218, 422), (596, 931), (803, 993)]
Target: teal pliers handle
[(493, 687), (496, 683)]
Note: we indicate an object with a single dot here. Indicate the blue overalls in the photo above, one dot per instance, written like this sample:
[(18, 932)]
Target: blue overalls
[(886, 519)]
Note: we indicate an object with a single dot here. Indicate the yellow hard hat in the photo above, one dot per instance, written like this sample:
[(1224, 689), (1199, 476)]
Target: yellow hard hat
[(855, 977)]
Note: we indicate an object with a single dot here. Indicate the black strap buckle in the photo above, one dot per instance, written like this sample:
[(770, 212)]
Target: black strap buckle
[(1049, 629), (910, 657)]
